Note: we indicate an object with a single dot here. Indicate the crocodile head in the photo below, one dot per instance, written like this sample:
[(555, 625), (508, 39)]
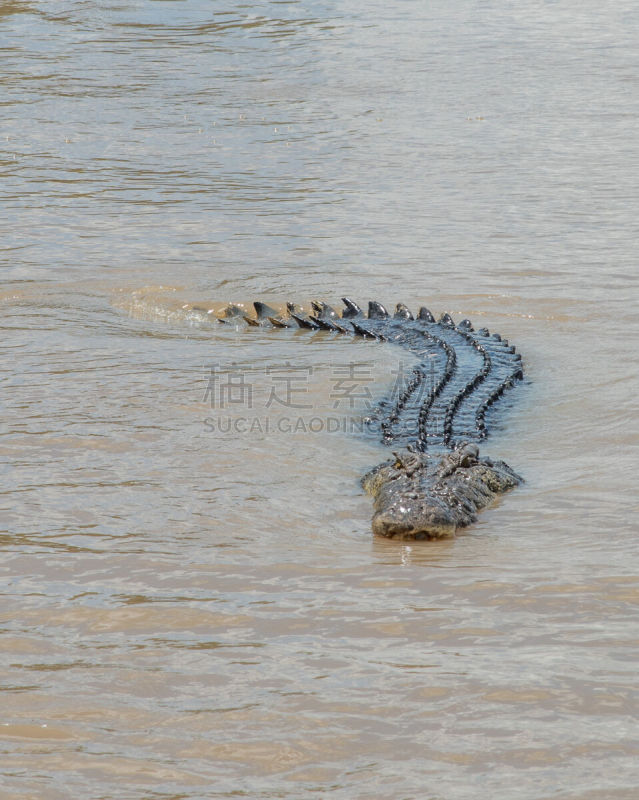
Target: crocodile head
[(419, 496)]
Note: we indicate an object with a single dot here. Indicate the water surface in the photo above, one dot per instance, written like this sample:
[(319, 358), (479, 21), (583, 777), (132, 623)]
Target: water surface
[(200, 613)]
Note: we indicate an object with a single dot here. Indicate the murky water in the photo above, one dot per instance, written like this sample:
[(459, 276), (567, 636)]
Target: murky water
[(193, 605)]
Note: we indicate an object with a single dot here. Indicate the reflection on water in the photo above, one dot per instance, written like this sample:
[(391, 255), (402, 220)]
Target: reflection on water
[(200, 613)]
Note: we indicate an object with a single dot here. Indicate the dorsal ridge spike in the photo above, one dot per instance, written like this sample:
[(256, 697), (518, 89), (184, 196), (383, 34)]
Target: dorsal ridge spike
[(446, 319), (263, 311), (325, 311), (351, 310), (402, 312), (425, 315), (376, 310)]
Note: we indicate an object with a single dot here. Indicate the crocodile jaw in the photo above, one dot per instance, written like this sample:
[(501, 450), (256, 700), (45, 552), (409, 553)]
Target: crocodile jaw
[(401, 522)]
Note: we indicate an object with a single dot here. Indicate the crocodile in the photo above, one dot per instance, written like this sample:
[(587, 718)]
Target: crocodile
[(437, 480)]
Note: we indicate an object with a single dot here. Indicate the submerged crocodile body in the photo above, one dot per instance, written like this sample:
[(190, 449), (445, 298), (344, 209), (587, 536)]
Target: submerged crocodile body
[(437, 479)]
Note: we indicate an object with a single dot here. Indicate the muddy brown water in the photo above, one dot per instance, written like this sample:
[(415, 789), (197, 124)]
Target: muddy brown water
[(192, 603)]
